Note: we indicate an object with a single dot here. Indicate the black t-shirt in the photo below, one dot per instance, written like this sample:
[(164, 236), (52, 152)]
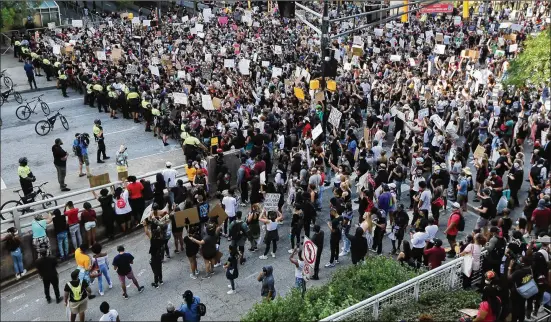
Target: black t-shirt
[(521, 277), (46, 267), (336, 231), (209, 247), (75, 284), (60, 224), (489, 204), (191, 248), (501, 170), (123, 263)]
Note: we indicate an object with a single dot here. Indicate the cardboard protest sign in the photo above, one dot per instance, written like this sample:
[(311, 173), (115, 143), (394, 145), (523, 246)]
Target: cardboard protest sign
[(479, 152), (395, 57), (217, 103), (276, 72), (423, 113), (319, 97), (99, 180), (335, 117), (229, 63), (299, 93), (56, 49), (378, 32), (218, 211), (132, 69), (147, 23), (511, 37), (206, 102), (513, 48), (244, 66), (191, 214), (154, 70), (440, 49), (437, 121), (116, 54), (223, 21), (265, 63), (278, 50), (271, 201)]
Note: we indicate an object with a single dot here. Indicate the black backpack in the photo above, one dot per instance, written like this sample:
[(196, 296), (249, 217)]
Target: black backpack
[(236, 231), (202, 309), (461, 225), (499, 250)]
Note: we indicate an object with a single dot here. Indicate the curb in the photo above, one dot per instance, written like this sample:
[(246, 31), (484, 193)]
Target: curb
[(45, 88)]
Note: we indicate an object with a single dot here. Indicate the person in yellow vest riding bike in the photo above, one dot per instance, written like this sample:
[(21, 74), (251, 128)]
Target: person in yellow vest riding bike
[(47, 66), (37, 63), (63, 82), (113, 98), (133, 99), (26, 177), (146, 110)]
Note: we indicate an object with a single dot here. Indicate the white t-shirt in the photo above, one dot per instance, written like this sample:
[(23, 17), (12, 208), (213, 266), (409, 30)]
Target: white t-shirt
[(230, 204), (298, 270), (418, 239), (126, 209), (431, 230), (170, 177), (110, 316)]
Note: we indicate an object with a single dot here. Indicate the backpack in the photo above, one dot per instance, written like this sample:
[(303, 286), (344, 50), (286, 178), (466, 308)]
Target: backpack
[(236, 231), (247, 175), (470, 185), (121, 203), (499, 250), (77, 150), (461, 225), (76, 290), (201, 309)]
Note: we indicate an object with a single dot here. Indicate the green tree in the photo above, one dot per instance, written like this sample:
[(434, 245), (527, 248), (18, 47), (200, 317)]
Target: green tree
[(13, 13), (533, 64), (124, 4)]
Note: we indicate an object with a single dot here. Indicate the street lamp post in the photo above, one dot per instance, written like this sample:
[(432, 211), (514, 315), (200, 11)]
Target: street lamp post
[(325, 59)]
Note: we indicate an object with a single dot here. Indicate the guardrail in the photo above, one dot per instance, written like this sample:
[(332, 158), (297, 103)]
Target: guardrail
[(16, 214), (445, 277)]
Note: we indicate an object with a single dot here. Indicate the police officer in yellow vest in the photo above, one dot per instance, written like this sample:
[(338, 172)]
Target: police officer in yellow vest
[(122, 103), (98, 135), (113, 98), (37, 63), (47, 68), (89, 96), (17, 50), (98, 89), (146, 110), (26, 177), (57, 65), (133, 99), (63, 82), (24, 53)]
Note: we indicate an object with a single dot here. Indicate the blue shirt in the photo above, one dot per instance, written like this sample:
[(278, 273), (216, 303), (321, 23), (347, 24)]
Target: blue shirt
[(28, 69), (39, 228), (83, 148), (352, 145), (462, 187), (191, 314)]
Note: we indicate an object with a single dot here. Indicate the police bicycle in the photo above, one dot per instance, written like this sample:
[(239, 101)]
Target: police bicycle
[(23, 112), (7, 81), (5, 95), (37, 192), (44, 127)]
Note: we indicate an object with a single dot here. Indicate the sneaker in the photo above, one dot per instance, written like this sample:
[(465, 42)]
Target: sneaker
[(230, 292), (273, 255), (176, 251), (111, 285), (197, 272), (217, 265), (205, 277), (193, 277), (263, 257), (99, 161), (290, 251), (101, 293), (58, 300), (81, 174), (229, 285), (125, 296), (161, 283), (343, 253), (17, 276), (106, 158), (373, 250), (337, 262), (49, 301), (141, 288), (329, 265), (65, 189), (243, 204)]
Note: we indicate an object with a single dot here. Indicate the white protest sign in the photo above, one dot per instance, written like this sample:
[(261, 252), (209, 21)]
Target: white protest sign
[(136, 20), (77, 23), (411, 62), (423, 113), (335, 117), (155, 61), (378, 32), (154, 70), (271, 201), (181, 74), (51, 25), (56, 49), (147, 23), (316, 131), (263, 177), (437, 121), (180, 98), (208, 58), (278, 50), (201, 34), (229, 63), (309, 253), (199, 27), (265, 63), (395, 57), (276, 72), (206, 102), (376, 50), (244, 66), (513, 48), (440, 49), (457, 20), (132, 69), (516, 27), (101, 55), (544, 137), (185, 19)]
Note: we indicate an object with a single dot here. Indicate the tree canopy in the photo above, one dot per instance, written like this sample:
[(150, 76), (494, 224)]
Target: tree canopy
[(13, 13), (533, 64)]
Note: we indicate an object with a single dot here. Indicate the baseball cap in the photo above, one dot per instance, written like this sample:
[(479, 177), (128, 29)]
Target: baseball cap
[(456, 205), (437, 242), (168, 164)]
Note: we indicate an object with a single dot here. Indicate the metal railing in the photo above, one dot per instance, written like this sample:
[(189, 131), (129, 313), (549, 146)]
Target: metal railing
[(445, 277), (16, 211)]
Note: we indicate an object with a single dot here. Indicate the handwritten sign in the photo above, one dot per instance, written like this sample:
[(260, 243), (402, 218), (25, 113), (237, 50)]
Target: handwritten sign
[(479, 152), (335, 117), (206, 102), (132, 69), (101, 55), (271, 201), (180, 98), (316, 131)]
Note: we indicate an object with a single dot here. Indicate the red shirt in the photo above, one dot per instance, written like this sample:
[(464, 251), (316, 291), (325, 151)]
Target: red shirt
[(72, 216), (541, 217), (88, 215), (435, 256), (454, 218), (134, 190), (485, 306), (307, 130)]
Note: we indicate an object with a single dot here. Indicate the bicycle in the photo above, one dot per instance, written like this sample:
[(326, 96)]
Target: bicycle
[(23, 112), (4, 96), (45, 126), (7, 81), (28, 199)]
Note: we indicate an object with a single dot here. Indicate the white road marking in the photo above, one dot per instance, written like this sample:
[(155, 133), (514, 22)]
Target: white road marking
[(15, 298), (149, 155), (74, 117), (141, 272), (36, 319), (2, 184), (252, 275), (126, 130), (21, 309), (63, 101)]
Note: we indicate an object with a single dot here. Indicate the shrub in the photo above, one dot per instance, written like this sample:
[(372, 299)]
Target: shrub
[(346, 287), (440, 306)]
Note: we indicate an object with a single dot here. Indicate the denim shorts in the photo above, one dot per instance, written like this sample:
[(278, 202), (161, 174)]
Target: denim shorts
[(89, 225)]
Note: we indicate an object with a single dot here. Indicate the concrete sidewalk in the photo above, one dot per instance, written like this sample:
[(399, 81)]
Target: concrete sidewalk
[(14, 70)]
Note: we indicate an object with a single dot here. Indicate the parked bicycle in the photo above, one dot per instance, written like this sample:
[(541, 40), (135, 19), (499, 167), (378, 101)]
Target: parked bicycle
[(45, 126), (23, 112), (4, 96), (28, 199), (7, 81)]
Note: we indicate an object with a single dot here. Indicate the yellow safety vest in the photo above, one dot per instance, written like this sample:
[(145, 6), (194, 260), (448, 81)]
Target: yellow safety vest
[(33, 55), (23, 172), (96, 130), (155, 112), (17, 43), (57, 64), (62, 77), (45, 61), (132, 95), (98, 87), (112, 94), (145, 103)]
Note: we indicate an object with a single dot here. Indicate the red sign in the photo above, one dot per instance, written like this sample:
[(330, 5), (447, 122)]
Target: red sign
[(438, 8)]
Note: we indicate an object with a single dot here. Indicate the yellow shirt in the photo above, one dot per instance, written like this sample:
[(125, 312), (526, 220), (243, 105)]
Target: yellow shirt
[(190, 172), (82, 259)]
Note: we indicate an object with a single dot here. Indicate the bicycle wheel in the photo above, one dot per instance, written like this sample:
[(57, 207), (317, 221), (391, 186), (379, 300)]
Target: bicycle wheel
[(45, 108), (23, 112), (48, 204), (64, 122), (18, 97), (8, 205), (42, 128), (8, 82)]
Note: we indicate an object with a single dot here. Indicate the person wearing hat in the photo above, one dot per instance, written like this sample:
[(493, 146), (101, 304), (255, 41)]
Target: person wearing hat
[(541, 218), (452, 228), (190, 307), (171, 314), (434, 255), (169, 175), (463, 188), (60, 163)]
